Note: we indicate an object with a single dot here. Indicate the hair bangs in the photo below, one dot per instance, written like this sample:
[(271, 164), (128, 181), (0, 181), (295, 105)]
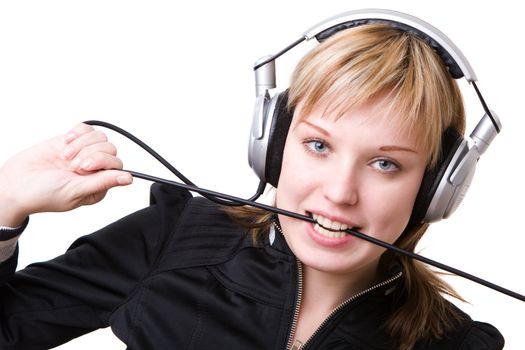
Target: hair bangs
[(399, 70)]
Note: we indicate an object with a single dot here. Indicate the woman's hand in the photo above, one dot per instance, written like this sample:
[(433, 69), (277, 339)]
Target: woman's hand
[(59, 175)]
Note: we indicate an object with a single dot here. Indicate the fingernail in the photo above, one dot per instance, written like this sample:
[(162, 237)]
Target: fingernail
[(124, 179), (75, 163), (69, 137), (68, 152), (86, 164)]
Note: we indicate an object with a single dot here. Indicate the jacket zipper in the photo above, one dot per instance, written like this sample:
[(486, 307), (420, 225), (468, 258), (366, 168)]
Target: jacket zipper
[(303, 346), (298, 300)]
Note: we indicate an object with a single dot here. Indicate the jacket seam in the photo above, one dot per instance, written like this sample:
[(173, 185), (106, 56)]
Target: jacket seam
[(72, 306), (240, 290), (141, 282), (137, 317)]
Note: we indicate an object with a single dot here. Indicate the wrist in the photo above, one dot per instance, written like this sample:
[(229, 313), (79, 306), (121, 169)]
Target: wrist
[(11, 214)]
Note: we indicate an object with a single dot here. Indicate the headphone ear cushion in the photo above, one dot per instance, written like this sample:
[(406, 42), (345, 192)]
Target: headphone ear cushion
[(281, 121), (450, 142)]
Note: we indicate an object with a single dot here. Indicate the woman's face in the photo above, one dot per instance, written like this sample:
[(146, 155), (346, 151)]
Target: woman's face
[(357, 171)]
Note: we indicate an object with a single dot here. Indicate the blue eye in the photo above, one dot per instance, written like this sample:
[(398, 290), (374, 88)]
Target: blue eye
[(385, 165), (316, 146)]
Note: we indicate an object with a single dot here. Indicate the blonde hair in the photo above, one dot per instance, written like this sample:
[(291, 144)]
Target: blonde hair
[(350, 68), (359, 64)]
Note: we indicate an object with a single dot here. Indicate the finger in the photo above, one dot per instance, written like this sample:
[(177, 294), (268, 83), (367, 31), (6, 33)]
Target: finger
[(94, 186), (96, 161), (101, 147), (90, 138), (104, 180), (78, 130)]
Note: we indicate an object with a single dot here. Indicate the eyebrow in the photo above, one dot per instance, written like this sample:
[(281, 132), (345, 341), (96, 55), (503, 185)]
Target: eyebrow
[(318, 128), (396, 148), (382, 148)]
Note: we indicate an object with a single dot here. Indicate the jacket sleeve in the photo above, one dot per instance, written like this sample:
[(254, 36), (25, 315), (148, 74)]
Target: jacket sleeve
[(49, 303), (483, 336)]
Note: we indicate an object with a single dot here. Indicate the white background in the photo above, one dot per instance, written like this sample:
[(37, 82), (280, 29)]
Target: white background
[(179, 76)]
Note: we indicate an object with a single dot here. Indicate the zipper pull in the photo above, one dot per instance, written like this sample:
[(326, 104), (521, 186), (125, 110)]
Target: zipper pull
[(296, 345)]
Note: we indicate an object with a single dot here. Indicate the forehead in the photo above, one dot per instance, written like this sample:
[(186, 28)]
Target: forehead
[(379, 109)]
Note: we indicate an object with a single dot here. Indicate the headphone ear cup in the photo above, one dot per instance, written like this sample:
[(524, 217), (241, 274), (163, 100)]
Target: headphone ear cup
[(270, 125), (451, 141), (281, 120)]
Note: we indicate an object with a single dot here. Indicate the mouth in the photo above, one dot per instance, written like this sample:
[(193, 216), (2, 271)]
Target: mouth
[(330, 228)]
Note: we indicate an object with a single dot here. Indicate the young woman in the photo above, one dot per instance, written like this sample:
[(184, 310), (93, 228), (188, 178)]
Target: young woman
[(371, 106)]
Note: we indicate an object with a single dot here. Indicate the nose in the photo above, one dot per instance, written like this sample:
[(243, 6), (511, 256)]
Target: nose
[(341, 186)]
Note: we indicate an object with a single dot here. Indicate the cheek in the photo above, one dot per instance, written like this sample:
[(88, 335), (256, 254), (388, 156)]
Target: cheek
[(295, 178), (392, 210)]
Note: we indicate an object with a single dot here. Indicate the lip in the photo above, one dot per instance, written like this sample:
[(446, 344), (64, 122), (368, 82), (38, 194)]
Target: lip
[(329, 242)]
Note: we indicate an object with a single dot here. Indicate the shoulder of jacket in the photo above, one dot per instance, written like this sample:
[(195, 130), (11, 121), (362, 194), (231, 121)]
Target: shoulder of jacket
[(470, 335), (202, 234), (482, 336), (479, 335), (168, 196)]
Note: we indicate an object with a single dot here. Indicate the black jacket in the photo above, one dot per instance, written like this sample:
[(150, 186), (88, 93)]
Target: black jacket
[(180, 275)]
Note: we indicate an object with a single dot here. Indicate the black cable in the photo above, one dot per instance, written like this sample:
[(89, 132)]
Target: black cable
[(283, 51), (232, 200), (485, 107), (354, 233), (136, 140)]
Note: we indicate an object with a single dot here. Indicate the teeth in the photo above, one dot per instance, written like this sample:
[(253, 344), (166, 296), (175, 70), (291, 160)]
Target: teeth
[(328, 233), (329, 228)]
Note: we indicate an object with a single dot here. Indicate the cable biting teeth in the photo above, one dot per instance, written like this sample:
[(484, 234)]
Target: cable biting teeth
[(329, 228)]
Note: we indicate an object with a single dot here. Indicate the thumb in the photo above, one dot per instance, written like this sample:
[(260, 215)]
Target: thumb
[(94, 186), (105, 179)]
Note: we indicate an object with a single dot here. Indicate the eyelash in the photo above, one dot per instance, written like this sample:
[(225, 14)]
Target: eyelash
[(391, 162), (309, 148)]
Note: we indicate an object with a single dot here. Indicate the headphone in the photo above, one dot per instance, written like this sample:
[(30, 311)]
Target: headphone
[(444, 186)]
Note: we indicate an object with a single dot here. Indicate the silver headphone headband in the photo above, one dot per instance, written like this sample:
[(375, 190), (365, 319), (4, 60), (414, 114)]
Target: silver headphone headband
[(404, 19), (447, 187)]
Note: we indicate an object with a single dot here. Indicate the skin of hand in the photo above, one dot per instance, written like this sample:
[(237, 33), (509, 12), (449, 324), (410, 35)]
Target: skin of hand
[(59, 174)]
